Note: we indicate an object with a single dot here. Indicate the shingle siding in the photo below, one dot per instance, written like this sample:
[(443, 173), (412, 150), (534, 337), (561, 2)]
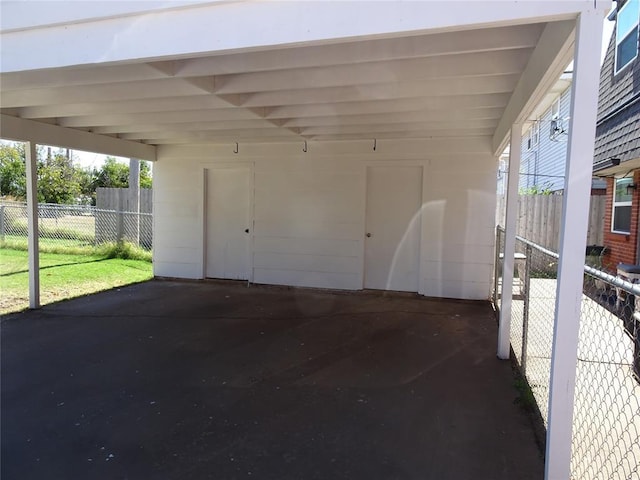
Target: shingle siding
[(618, 134)]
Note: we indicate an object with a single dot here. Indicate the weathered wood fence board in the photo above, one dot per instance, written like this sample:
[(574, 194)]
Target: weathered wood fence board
[(118, 199), (114, 220), (539, 218)]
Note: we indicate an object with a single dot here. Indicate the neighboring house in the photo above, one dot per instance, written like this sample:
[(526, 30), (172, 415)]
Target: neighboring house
[(544, 143), (617, 149)]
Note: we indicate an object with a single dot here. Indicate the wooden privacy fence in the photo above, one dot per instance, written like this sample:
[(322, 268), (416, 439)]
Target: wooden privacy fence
[(118, 219), (539, 219), (119, 199)]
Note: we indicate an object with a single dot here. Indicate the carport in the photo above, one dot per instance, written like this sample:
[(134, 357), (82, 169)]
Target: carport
[(341, 145)]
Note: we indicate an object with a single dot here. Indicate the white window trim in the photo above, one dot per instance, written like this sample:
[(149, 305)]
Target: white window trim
[(535, 136), (619, 204), (555, 106), (636, 25)]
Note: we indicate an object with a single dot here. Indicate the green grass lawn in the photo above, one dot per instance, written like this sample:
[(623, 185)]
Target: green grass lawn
[(64, 276)]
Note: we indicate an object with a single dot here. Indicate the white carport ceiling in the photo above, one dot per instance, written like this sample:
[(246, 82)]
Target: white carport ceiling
[(452, 84)]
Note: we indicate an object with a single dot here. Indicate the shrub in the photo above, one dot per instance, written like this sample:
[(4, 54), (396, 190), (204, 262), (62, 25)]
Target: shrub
[(124, 250)]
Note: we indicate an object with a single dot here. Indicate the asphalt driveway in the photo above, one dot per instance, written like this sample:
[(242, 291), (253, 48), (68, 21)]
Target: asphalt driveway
[(187, 380)]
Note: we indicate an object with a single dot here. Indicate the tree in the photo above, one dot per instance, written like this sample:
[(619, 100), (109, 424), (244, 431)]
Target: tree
[(58, 179), (114, 174), (145, 175), (13, 176)]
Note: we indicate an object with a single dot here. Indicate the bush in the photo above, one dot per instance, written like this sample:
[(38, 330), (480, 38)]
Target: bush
[(124, 250)]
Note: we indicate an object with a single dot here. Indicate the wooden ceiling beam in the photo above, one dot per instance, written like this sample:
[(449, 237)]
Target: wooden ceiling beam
[(168, 87), (149, 129), (164, 104), (451, 115), (430, 88), (465, 102), (376, 50), (238, 133), (186, 116), (425, 69), (426, 128)]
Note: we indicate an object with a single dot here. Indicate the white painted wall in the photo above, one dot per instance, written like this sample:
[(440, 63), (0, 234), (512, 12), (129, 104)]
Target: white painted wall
[(309, 211), (458, 240)]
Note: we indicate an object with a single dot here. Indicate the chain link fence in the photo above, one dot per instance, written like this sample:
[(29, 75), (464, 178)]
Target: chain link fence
[(75, 225), (606, 424)]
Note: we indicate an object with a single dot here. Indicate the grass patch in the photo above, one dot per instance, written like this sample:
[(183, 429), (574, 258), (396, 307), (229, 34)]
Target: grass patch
[(124, 250), (49, 245), (527, 402), (525, 398), (76, 228), (64, 276)]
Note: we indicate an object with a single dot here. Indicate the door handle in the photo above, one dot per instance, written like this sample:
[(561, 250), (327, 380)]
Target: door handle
[(368, 234), (246, 230)]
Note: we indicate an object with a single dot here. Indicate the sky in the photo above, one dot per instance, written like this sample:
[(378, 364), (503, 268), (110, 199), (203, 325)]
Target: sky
[(606, 35), (95, 160)]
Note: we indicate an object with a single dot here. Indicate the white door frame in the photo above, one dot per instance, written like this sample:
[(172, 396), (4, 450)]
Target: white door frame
[(394, 163), (203, 213)]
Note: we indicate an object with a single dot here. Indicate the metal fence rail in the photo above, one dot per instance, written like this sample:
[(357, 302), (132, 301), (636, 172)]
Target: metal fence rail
[(606, 424), (76, 225)]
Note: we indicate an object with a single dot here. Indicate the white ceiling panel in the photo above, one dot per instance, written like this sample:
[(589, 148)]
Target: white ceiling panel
[(447, 84)]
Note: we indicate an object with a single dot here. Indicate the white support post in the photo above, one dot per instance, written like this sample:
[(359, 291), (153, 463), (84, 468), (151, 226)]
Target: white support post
[(513, 180), (32, 222), (573, 239)]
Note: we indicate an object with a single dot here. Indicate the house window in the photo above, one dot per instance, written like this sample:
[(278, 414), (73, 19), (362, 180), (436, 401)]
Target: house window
[(621, 220), (535, 135), (627, 34), (532, 137)]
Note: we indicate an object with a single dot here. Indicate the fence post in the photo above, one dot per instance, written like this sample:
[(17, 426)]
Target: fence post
[(496, 269), (2, 227), (525, 306), (506, 299), (134, 199), (119, 219)]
